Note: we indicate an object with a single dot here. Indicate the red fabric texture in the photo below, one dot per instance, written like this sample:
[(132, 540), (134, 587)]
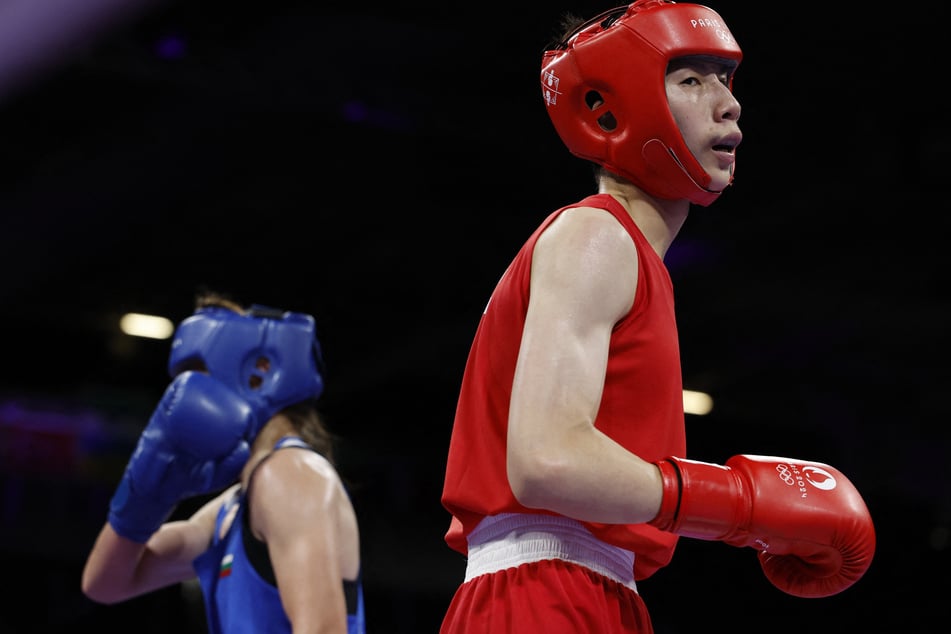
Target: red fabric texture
[(546, 597)]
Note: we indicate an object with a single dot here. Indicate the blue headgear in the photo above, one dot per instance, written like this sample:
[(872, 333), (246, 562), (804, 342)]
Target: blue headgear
[(269, 357)]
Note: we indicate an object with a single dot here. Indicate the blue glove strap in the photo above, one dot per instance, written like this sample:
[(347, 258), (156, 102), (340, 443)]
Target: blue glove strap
[(136, 517)]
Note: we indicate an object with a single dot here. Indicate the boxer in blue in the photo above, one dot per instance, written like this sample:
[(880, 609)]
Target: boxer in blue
[(278, 549)]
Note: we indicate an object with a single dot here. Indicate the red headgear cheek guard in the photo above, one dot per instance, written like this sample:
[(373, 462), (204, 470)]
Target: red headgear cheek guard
[(604, 91)]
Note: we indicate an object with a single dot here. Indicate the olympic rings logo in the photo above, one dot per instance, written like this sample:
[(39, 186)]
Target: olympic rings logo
[(785, 474), (724, 35)]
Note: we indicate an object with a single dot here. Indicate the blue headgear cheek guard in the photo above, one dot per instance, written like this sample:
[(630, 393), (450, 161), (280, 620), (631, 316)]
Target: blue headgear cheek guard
[(270, 358)]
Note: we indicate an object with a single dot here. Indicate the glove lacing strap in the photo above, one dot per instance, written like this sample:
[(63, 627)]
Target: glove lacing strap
[(670, 502)]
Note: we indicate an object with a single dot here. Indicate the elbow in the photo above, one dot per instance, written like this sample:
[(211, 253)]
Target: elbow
[(534, 478), (88, 589), (97, 592), (101, 598), (92, 593)]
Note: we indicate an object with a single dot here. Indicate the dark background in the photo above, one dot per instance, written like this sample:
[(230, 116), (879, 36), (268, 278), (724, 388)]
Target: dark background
[(377, 165)]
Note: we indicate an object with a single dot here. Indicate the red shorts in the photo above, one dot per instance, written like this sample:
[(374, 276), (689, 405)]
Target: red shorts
[(546, 597)]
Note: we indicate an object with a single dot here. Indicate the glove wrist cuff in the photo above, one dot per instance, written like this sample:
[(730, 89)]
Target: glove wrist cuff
[(135, 517), (670, 501), (711, 501)]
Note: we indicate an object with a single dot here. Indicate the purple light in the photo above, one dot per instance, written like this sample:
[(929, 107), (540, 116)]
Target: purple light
[(355, 111), (36, 35), (358, 112), (171, 47), (684, 254)]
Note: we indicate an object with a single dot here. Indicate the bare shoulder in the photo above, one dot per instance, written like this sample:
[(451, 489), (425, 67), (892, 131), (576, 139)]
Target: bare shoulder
[(296, 463), (590, 217), (296, 481), (584, 228), (290, 488), (588, 251)]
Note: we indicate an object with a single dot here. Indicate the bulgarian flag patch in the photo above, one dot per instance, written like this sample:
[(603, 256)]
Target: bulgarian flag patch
[(225, 569)]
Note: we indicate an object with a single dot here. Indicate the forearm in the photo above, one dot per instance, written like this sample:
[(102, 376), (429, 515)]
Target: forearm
[(118, 569), (111, 566), (581, 473)]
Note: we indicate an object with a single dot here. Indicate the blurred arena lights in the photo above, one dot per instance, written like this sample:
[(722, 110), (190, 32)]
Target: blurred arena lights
[(38, 35), (148, 326), (697, 403)]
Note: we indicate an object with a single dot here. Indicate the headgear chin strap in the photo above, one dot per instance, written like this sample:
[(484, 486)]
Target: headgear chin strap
[(269, 357), (604, 91)]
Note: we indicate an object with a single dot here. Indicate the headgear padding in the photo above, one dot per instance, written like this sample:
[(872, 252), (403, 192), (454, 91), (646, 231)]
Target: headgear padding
[(269, 357), (621, 58)]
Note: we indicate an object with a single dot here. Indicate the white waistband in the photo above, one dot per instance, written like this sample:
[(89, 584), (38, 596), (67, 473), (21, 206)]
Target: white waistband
[(512, 539)]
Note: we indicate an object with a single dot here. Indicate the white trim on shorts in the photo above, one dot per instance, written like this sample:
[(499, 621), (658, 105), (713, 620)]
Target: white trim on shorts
[(509, 540)]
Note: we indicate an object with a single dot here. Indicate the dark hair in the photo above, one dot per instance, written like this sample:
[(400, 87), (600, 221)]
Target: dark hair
[(308, 423), (566, 27), (206, 297), (568, 24)]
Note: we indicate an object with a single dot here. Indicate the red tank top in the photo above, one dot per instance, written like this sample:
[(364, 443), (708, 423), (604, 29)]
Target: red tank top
[(641, 407)]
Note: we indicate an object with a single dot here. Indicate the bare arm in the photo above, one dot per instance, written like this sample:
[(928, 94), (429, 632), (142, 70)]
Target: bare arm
[(118, 569), (296, 508), (584, 273)]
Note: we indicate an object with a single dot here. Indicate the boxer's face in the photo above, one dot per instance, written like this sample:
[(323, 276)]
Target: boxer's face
[(700, 99)]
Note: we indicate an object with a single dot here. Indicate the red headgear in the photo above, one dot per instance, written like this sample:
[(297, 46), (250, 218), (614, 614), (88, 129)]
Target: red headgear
[(621, 58)]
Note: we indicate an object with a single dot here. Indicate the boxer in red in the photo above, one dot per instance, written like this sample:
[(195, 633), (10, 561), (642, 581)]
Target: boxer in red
[(566, 478)]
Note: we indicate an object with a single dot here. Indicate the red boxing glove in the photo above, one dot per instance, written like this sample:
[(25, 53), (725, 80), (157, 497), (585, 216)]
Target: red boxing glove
[(811, 526)]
